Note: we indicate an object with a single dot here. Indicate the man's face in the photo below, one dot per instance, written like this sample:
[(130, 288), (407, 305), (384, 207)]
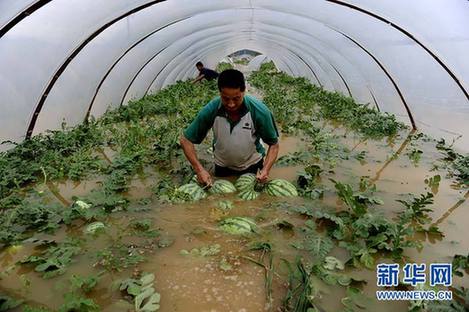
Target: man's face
[(231, 99)]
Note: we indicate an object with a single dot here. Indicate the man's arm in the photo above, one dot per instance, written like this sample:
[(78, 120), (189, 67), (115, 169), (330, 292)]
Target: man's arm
[(189, 150), (200, 77), (269, 161)]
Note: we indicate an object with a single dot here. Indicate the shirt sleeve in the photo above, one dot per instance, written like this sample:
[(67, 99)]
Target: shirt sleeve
[(198, 129), (267, 128)]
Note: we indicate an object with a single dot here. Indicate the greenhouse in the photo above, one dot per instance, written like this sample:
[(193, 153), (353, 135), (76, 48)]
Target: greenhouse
[(325, 167)]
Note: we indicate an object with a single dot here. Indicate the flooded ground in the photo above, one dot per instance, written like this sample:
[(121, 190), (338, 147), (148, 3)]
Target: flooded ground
[(224, 276)]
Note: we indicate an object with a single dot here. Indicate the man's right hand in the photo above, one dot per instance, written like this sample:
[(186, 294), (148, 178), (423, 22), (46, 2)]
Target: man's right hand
[(204, 177)]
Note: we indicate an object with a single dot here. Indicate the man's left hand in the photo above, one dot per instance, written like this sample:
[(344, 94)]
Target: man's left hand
[(262, 176)]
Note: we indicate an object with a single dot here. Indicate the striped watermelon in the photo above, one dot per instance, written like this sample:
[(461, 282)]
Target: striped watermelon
[(222, 187), (246, 181), (238, 225), (225, 205), (280, 187), (248, 194), (94, 227), (193, 190)]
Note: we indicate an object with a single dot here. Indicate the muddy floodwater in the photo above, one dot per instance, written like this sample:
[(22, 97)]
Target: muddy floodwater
[(227, 279)]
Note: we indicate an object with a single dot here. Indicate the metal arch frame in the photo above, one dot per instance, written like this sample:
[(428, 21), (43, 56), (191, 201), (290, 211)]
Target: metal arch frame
[(277, 43), (282, 60), (121, 57), (72, 55), (132, 46), (214, 46), (409, 35), (302, 50), (361, 47), (327, 45), (149, 60), (249, 39), (272, 34), (142, 67), (312, 56), (378, 63), (193, 58), (189, 64), (313, 47), (409, 113), (328, 61), (343, 80), (34, 6), (76, 51), (190, 71), (163, 49)]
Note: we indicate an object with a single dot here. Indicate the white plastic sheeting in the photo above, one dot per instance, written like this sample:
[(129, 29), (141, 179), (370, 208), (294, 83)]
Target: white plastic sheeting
[(257, 61), (67, 58)]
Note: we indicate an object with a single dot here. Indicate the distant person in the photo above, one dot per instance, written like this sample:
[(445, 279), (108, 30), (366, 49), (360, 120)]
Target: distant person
[(239, 122), (208, 74)]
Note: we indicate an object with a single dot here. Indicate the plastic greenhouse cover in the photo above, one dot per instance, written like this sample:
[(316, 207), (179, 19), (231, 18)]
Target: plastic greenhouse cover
[(399, 53), (256, 62)]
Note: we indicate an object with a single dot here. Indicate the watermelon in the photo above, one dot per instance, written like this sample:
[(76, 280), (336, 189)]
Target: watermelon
[(193, 190), (238, 225), (225, 205), (222, 187), (280, 187), (246, 181), (94, 227), (248, 194)]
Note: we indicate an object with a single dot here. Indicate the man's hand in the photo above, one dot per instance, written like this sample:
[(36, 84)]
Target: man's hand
[(204, 177), (262, 175), (189, 150), (199, 78)]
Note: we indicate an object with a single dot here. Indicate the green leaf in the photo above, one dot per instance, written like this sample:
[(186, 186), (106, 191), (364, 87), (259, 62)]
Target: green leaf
[(318, 245), (74, 302), (147, 279), (332, 263), (152, 304), (165, 241), (131, 286), (86, 284), (355, 300), (54, 260), (460, 264), (225, 265), (7, 303), (147, 301), (366, 258)]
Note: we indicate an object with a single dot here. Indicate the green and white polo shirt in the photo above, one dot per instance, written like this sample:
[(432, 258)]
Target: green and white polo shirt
[(236, 144)]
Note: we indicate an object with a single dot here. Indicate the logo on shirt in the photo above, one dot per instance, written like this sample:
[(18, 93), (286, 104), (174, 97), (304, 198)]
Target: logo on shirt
[(247, 126)]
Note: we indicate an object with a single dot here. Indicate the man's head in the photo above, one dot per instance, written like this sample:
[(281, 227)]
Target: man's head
[(231, 86), (199, 65)]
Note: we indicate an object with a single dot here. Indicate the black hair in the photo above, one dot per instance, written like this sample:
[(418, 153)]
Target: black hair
[(231, 78), (199, 64)]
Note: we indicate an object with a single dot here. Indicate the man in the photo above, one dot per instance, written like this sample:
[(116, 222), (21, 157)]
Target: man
[(239, 121), (204, 73)]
